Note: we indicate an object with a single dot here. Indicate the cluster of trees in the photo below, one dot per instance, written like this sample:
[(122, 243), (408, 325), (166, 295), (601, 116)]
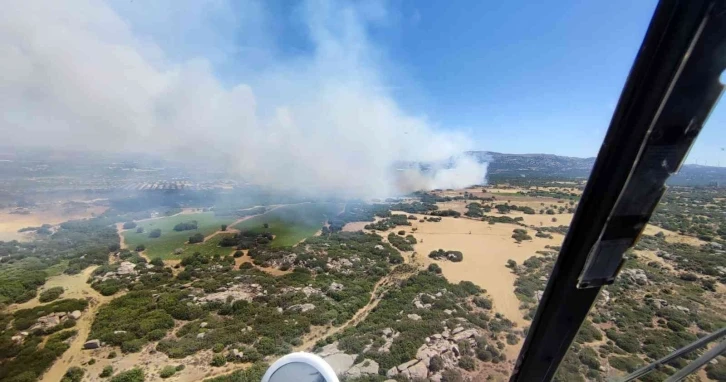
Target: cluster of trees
[(453, 213), (246, 240), (391, 222), (520, 234), (129, 225), (134, 319), (358, 212), (155, 233), (186, 226), (28, 360), (415, 207), (455, 256), (503, 219), (506, 208), (365, 340), (403, 244)]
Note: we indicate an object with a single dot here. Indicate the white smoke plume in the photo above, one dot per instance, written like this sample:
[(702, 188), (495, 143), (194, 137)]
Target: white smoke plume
[(83, 74)]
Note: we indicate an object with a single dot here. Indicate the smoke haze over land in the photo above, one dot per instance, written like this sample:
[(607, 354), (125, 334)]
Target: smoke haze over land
[(92, 75)]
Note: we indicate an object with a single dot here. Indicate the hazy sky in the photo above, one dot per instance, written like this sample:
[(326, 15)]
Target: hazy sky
[(421, 79), (519, 77)]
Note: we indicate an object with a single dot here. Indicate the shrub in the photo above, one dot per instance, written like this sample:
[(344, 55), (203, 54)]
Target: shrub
[(238, 254), (133, 375), (106, 372), (627, 363), (451, 375), (112, 355), (512, 339), (401, 232), (218, 360), (51, 294), (717, 372), (589, 358), (141, 230), (140, 248), (436, 363), (511, 264), (434, 268), (483, 302), (74, 374), (223, 227), (167, 371), (467, 363)]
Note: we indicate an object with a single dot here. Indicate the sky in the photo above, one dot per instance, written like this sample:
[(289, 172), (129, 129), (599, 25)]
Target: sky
[(326, 95), (517, 77)]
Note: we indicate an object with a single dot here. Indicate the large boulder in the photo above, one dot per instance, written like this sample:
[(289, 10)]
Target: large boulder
[(340, 362), (367, 367), (418, 371), (92, 344)]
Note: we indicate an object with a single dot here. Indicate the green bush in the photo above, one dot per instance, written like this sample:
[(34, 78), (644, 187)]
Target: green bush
[(133, 375), (451, 375), (589, 358), (51, 294), (467, 363), (483, 302), (73, 374), (717, 372), (218, 360), (435, 268), (106, 372), (625, 363), (167, 371), (436, 363)]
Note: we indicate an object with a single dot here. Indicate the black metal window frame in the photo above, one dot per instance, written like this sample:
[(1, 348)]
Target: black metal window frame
[(670, 91)]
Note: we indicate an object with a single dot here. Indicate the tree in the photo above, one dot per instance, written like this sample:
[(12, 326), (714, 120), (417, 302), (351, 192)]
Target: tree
[(157, 261), (129, 225), (401, 232), (223, 227), (140, 230), (140, 248), (196, 238), (266, 225), (155, 233)]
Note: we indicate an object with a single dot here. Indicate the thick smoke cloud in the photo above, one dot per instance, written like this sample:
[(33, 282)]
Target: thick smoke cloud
[(82, 74)]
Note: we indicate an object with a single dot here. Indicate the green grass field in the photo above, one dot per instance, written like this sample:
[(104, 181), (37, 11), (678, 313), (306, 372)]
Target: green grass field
[(170, 240), (290, 224), (209, 247)]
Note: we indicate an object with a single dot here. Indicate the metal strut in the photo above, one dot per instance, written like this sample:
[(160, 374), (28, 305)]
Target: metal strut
[(669, 93)]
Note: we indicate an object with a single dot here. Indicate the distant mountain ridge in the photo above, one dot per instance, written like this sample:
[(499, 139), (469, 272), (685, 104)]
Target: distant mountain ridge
[(554, 166)]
